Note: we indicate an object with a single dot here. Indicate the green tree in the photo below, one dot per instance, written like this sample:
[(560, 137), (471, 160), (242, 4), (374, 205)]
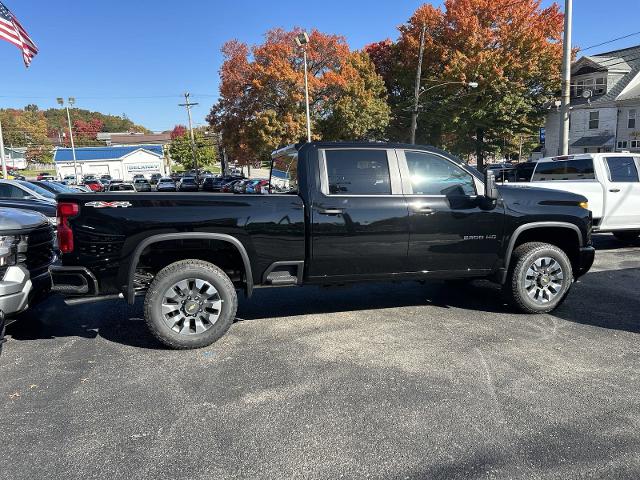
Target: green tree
[(206, 151)]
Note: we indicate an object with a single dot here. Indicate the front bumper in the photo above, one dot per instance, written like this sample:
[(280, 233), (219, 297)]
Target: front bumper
[(585, 260), (15, 288)]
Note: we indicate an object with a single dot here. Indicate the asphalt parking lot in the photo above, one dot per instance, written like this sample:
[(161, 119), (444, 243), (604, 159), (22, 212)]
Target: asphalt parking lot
[(376, 381)]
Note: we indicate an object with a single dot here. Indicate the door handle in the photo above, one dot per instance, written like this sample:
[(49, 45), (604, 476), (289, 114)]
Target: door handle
[(614, 190), (330, 211), (420, 208)]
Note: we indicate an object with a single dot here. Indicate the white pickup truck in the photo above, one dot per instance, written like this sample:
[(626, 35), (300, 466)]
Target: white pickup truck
[(610, 181)]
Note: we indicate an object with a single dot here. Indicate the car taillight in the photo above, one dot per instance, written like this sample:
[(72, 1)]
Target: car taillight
[(65, 234)]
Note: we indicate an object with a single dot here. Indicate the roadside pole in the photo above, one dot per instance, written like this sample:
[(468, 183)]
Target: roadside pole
[(73, 148), (566, 79), (4, 162), (416, 93), (188, 106)]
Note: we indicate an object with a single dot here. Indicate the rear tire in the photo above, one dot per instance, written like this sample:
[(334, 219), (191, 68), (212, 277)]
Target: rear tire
[(627, 236), (539, 279), (190, 304)]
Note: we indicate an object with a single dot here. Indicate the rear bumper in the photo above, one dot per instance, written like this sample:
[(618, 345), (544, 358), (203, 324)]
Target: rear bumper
[(73, 280), (585, 260)]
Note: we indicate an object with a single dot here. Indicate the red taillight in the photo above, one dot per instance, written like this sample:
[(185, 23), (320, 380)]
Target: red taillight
[(65, 234)]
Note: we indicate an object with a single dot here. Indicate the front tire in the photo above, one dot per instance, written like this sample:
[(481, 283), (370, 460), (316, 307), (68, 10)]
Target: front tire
[(190, 304), (539, 279)]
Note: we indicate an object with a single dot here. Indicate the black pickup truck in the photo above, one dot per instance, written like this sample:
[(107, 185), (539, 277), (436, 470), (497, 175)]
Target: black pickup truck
[(337, 213)]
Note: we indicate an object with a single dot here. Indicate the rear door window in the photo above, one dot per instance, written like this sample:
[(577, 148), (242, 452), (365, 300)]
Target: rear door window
[(622, 169), (581, 169), (358, 172)]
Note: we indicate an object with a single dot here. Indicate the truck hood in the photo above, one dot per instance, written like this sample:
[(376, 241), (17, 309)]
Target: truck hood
[(12, 219), (532, 194)]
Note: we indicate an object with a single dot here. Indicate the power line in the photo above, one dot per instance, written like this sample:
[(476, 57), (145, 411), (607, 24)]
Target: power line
[(609, 41)]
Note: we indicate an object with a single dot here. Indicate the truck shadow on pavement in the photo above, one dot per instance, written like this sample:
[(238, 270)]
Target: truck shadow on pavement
[(603, 299)]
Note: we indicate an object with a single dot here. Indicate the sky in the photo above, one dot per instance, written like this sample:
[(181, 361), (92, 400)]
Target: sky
[(137, 57)]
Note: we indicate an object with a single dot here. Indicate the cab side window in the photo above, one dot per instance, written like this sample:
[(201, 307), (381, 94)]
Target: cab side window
[(358, 172), (622, 169), (435, 175)]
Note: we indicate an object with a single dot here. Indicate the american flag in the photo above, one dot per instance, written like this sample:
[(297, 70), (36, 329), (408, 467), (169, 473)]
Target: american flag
[(13, 32)]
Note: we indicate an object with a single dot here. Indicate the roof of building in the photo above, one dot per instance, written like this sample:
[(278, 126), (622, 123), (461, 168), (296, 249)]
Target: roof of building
[(595, 141), (626, 61), (87, 154), (140, 139)]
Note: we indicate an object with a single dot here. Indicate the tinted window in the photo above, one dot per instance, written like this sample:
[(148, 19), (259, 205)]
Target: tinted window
[(36, 188), (358, 172), (9, 191), (522, 172), (284, 172), (622, 169), (565, 170), (435, 175)]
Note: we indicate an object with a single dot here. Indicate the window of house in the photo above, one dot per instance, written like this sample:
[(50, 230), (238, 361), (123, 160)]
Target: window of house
[(434, 175), (600, 86), (622, 169), (622, 144), (581, 169), (635, 143), (594, 118), (631, 121), (358, 172), (579, 87)]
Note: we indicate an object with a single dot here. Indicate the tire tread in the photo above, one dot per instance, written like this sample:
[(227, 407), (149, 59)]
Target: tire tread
[(519, 257), (153, 291)]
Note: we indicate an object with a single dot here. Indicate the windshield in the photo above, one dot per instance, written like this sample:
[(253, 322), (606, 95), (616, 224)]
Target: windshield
[(284, 171), (39, 190)]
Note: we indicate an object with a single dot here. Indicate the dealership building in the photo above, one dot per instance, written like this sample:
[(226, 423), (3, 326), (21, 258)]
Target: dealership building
[(120, 162)]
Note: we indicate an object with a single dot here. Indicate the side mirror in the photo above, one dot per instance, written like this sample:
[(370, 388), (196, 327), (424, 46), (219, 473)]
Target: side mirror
[(490, 187)]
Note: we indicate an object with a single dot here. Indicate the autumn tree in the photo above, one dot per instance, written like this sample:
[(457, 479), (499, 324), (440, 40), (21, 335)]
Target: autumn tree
[(261, 103), (85, 132), (512, 49), (178, 131)]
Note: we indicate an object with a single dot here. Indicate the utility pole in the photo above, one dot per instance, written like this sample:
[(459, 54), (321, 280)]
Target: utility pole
[(4, 162), (416, 93), (566, 79), (302, 40), (70, 101), (188, 106), (520, 149), (223, 155)]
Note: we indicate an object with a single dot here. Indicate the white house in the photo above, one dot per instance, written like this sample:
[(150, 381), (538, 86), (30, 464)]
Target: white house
[(605, 105), (119, 162)]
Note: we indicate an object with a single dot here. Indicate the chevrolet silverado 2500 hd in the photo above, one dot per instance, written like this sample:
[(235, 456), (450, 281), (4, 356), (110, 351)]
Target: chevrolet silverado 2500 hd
[(336, 213)]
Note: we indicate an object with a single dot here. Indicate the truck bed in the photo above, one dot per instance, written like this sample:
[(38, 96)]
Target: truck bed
[(110, 226)]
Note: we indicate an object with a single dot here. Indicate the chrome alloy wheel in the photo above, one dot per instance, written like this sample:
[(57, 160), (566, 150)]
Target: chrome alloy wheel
[(544, 280), (191, 306)]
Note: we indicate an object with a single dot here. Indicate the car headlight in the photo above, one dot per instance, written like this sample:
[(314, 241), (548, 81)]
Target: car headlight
[(584, 205), (8, 250)]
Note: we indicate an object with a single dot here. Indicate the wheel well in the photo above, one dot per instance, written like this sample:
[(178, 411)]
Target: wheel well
[(219, 252), (564, 238)]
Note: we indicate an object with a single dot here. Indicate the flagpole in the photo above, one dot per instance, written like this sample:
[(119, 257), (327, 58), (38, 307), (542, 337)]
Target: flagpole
[(4, 162)]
